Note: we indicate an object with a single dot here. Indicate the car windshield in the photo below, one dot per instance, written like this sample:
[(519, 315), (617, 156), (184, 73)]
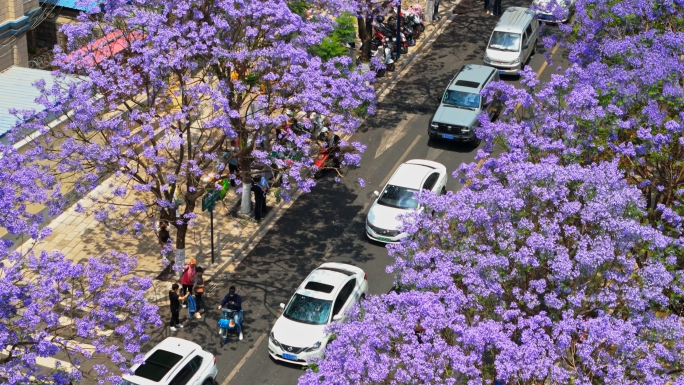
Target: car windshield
[(124, 382), (398, 197), (505, 41), (308, 310), (461, 99)]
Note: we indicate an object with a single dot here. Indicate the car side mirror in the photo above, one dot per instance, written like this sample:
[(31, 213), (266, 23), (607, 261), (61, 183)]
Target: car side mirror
[(376, 193), (282, 305), (337, 318), (526, 46)]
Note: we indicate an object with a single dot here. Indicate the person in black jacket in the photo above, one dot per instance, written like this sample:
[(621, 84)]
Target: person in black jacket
[(174, 302), (233, 301)]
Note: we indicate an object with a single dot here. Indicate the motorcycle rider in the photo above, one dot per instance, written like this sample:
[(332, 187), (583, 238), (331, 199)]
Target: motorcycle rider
[(233, 301)]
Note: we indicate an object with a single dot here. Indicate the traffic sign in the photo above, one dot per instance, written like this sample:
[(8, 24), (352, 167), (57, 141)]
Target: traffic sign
[(209, 200)]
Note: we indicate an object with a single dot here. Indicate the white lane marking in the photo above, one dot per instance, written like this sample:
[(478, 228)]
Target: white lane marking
[(390, 137), (237, 367), (433, 153)]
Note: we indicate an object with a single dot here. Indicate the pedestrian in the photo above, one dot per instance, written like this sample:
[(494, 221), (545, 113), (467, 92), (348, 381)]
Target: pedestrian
[(260, 190), (233, 301), (189, 271), (164, 236), (435, 14), (198, 290), (192, 306), (486, 7), (497, 8), (174, 303)]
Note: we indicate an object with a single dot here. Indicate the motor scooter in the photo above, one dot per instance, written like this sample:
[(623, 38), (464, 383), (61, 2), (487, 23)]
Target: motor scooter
[(227, 323), (381, 50), (328, 157)]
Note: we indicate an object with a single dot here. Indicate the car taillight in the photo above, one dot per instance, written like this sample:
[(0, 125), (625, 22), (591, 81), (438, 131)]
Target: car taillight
[(214, 360), (365, 277)]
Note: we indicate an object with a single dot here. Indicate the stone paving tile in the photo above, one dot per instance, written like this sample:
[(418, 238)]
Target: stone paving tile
[(79, 236)]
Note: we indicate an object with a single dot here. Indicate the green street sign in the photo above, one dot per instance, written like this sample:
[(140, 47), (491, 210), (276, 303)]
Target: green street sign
[(209, 200)]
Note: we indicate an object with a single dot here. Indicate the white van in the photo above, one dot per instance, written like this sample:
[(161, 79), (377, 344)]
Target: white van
[(513, 41)]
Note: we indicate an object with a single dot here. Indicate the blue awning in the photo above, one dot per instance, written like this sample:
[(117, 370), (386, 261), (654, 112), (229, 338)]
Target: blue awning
[(79, 5)]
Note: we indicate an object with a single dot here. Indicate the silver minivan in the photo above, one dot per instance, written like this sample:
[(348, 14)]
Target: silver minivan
[(513, 41)]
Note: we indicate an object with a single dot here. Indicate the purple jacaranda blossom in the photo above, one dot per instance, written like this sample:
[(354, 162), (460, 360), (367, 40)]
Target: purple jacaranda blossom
[(560, 260), (49, 304), (531, 265), (201, 83)]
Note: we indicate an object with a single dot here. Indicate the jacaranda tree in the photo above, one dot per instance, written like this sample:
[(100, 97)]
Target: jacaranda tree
[(81, 312), (561, 261), (528, 275), (187, 82)]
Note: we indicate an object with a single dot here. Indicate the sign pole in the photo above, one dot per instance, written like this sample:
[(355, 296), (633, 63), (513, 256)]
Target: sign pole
[(211, 227)]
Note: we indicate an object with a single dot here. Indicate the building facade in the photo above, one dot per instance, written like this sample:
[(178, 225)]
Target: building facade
[(16, 18)]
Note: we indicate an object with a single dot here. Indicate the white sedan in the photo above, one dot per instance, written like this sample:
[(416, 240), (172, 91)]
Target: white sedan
[(325, 295), (399, 197)]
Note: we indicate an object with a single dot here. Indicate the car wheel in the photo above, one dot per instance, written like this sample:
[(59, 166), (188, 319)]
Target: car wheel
[(443, 191), (209, 381), (534, 48)]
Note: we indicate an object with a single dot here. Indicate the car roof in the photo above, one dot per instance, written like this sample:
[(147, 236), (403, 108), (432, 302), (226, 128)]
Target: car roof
[(410, 175), (471, 78), (515, 19), (175, 345), (324, 276)]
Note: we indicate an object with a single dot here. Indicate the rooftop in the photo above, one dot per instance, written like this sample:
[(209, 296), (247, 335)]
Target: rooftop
[(19, 93)]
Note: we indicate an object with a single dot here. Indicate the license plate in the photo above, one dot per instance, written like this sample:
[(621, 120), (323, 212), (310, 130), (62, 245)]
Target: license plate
[(291, 357), (501, 72), (384, 239), (445, 136)]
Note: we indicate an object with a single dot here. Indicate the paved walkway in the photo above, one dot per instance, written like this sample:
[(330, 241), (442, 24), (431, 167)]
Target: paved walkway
[(79, 235)]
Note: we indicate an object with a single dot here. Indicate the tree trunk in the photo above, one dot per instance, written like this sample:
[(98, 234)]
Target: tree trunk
[(181, 232), (365, 34), (246, 205)]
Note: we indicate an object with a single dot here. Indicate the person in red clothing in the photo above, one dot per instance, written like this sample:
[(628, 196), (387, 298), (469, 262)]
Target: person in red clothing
[(189, 272)]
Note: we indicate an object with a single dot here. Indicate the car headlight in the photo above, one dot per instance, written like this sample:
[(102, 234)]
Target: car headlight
[(516, 60), (315, 346), (434, 125), (486, 58), (273, 339)]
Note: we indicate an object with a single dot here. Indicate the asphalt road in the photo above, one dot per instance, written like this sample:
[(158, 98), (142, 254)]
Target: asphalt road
[(328, 225)]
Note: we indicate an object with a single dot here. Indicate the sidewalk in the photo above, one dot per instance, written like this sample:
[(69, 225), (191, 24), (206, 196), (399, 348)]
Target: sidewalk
[(79, 235)]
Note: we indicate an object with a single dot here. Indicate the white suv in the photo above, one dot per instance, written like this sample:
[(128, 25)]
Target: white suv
[(174, 361)]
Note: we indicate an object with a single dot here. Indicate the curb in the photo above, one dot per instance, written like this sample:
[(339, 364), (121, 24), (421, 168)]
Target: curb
[(266, 221)]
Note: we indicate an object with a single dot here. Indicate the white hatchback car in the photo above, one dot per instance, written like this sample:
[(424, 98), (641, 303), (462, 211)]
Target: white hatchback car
[(174, 361), (398, 197), (325, 295)]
